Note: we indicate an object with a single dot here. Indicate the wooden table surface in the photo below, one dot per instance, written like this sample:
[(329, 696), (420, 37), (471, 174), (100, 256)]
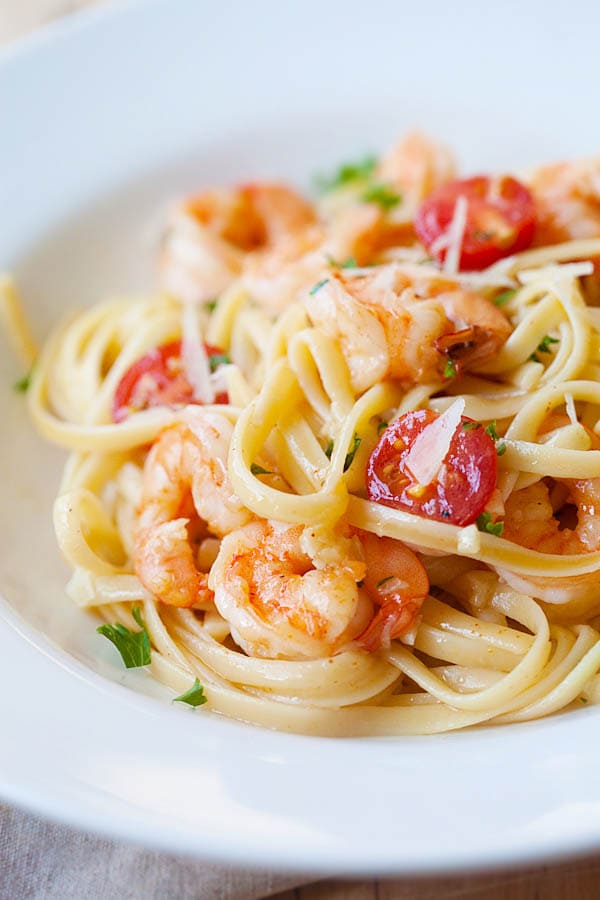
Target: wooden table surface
[(569, 881)]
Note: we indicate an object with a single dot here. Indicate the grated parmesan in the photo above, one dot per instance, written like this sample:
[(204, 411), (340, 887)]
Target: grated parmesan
[(431, 446), (456, 233), (194, 356)]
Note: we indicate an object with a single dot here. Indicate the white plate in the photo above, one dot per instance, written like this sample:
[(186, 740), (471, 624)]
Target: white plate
[(103, 120)]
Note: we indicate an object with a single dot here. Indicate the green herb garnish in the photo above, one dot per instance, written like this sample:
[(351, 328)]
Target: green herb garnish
[(258, 470), (22, 385), (318, 286), (484, 523), (210, 306), (504, 297), (383, 195), (450, 369), (544, 344), (193, 697), (381, 427), (349, 263), (491, 430), (356, 442), (329, 449), (471, 426), (134, 646), (218, 359), (347, 174), (501, 448)]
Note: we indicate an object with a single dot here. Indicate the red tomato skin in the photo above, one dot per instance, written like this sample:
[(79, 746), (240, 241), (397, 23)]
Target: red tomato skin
[(512, 205), (171, 387), (471, 470)]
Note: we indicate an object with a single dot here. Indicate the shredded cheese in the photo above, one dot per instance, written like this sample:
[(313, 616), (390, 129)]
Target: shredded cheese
[(428, 452), (570, 407), (456, 233), (194, 357), (557, 272)]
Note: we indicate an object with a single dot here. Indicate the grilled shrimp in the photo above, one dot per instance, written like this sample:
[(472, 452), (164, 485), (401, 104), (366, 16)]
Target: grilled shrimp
[(407, 328), (211, 235), (568, 201), (286, 595), (186, 495)]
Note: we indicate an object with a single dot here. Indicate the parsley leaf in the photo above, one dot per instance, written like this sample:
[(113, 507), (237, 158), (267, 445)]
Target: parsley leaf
[(218, 359), (258, 470), (484, 523), (471, 426), (210, 306), (382, 426), (544, 344), (352, 452), (22, 385), (193, 697), (383, 195), (347, 173), (349, 263), (450, 369), (491, 430), (134, 646), (501, 448), (329, 449), (504, 297), (318, 286)]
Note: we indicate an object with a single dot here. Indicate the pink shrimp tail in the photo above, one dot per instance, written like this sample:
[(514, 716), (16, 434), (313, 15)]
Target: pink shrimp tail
[(392, 620)]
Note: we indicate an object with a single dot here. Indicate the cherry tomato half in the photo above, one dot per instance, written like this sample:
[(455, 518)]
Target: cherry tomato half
[(500, 219), (463, 486), (157, 379)]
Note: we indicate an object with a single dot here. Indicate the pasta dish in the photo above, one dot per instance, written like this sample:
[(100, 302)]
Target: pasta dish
[(340, 474)]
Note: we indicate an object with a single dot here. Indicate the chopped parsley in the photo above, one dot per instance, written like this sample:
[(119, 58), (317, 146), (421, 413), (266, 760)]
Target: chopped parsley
[(383, 195), (318, 286), (450, 369), (491, 430), (356, 442), (210, 306), (382, 426), (347, 174), (218, 359), (544, 344), (504, 297), (349, 263), (501, 448), (544, 347), (134, 646), (484, 523), (193, 697), (471, 426), (22, 385), (258, 470)]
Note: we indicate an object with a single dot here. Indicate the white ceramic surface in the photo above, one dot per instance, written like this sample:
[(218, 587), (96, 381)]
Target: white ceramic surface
[(103, 120)]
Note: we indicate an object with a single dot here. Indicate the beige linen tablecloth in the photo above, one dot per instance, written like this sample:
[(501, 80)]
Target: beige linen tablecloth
[(46, 861)]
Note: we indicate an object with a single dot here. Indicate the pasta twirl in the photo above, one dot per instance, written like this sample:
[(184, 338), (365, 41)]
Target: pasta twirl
[(347, 461)]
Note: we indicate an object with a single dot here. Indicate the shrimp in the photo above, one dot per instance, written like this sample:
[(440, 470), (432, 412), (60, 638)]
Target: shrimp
[(562, 518), (211, 235), (363, 229), (568, 201), (406, 327), (288, 595), (186, 495)]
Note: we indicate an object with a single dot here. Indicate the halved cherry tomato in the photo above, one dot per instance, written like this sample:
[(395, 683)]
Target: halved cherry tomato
[(500, 219), (463, 486), (157, 379)]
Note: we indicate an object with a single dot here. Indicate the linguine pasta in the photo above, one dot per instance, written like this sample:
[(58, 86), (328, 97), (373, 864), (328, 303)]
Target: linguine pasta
[(333, 323)]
